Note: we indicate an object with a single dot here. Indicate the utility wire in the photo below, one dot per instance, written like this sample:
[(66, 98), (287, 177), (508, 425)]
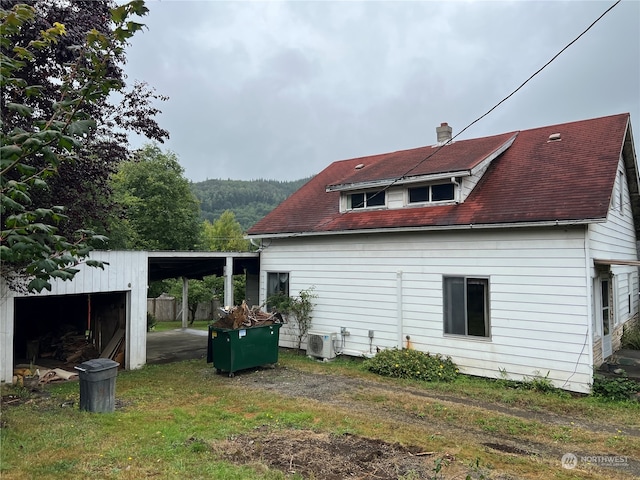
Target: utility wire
[(397, 179), (508, 96)]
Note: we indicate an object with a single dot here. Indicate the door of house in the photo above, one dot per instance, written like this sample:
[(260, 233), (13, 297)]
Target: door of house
[(605, 314)]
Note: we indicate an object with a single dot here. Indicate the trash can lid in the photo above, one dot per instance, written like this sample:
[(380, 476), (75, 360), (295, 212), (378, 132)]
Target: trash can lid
[(97, 365)]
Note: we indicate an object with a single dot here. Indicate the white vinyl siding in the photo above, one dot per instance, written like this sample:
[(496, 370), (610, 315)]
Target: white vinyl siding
[(615, 239), (467, 184), (392, 284)]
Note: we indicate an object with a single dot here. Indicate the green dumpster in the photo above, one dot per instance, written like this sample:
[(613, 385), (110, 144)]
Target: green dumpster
[(232, 350)]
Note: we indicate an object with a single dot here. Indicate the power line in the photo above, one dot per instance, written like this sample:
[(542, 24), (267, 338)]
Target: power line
[(510, 95), (397, 179)]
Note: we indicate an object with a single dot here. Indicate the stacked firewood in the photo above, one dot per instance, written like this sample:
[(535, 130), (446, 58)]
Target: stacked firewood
[(244, 317), (73, 348)]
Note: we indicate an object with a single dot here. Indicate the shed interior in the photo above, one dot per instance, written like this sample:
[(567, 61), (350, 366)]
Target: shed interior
[(66, 330)]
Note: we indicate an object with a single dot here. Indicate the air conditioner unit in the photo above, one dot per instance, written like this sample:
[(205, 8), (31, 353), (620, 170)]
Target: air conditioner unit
[(321, 344)]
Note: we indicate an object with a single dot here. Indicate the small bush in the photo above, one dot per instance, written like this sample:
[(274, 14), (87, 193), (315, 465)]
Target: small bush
[(614, 388), (631, 337), (412, 364), (151, 322), (538, 383)]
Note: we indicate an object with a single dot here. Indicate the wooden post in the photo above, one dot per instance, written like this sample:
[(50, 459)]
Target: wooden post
[(185, 301), (228, 282)]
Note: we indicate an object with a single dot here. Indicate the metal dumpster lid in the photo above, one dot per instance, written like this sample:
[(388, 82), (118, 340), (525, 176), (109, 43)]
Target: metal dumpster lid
[(96, 365)]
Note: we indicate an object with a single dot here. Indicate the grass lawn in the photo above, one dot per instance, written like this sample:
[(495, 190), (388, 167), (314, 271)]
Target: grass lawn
[(172, 418), (196, 325)]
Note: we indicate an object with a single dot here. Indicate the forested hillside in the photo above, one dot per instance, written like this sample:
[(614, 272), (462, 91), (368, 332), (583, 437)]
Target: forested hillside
[(249, 200)]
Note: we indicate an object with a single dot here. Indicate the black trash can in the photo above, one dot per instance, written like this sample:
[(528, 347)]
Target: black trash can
[(98, 385)]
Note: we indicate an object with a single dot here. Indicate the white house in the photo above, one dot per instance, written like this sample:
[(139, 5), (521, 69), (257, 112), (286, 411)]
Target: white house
[(514, 253)]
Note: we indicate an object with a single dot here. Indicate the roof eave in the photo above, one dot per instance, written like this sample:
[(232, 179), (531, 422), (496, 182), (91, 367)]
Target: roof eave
[(545, 224), (397, 181), (629, 157)]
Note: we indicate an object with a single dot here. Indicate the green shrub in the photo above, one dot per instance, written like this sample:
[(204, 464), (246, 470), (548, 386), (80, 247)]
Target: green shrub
[(614, 388), (536, 383), (412, 364), (631, 337), (151, 321)]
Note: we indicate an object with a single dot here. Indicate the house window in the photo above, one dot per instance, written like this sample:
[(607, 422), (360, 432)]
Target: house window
[(277, 284), (605, 309), (366, 200), (466, 306), (621, 191), (419, 194), (440, 192), (629, 290)]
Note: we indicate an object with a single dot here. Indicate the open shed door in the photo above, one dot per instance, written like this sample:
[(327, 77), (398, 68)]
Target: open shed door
[(66, 330)]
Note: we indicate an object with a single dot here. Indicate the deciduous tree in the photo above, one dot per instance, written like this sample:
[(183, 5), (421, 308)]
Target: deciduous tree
[(158, 209), (81, 185), (225, 234), (55, 82)]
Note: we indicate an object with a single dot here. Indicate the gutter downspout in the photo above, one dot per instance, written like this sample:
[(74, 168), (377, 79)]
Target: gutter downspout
[(589, 284), (399, 308)]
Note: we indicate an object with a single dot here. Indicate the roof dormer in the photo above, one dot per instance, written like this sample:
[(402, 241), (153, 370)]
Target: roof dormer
[(445, 175)]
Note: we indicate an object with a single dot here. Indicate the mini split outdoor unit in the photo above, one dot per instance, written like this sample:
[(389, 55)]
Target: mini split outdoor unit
[(321, 344)]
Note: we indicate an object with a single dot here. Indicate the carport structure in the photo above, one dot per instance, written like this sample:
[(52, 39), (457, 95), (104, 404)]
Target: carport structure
[(112, 301), (197, 265)]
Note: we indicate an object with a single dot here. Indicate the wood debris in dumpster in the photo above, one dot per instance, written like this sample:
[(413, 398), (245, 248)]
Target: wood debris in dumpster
[(244, 317)]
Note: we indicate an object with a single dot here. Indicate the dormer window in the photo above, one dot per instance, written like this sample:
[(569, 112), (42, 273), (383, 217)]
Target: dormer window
[(366, 200), (439, 192)]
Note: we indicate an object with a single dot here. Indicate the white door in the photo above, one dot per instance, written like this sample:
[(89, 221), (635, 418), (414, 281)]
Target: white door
[(605, 314)]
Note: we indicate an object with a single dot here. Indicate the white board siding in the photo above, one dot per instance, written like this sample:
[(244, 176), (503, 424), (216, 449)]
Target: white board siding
[(535, 325), (615, 239), (622, 290), (126, 272)]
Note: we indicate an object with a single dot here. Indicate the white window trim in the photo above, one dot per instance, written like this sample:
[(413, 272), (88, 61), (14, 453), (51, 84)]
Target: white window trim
[(616, 290)]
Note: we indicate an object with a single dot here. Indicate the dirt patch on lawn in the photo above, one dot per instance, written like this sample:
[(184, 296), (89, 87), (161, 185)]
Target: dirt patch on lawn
[(313, 455)]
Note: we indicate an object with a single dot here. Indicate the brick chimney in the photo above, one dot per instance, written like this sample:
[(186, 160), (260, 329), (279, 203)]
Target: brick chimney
[(444, 132)]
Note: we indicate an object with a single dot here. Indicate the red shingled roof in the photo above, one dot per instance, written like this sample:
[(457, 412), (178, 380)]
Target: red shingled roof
[(454, 157), (533, 181)]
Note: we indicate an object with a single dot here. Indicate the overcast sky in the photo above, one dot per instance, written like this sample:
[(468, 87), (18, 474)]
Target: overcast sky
[(279, 90)]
